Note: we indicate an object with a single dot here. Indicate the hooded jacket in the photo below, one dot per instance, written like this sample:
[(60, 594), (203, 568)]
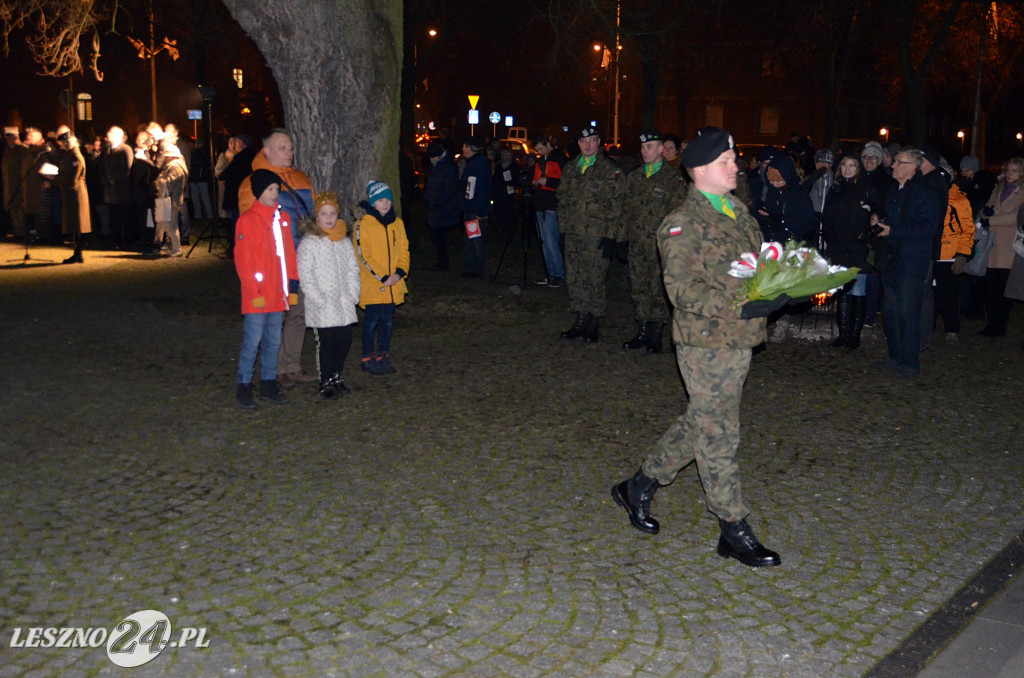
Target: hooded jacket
[(790, 212), (958, 231)]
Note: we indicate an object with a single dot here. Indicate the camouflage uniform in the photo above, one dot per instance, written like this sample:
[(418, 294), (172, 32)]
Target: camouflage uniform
[(647, 200), (588, 210), (697, 244)]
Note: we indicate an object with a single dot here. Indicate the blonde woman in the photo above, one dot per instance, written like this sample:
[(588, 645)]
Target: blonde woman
[(1000, 216)]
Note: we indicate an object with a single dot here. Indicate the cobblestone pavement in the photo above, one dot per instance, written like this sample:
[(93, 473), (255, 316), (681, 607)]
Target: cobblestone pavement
[(454, 519)]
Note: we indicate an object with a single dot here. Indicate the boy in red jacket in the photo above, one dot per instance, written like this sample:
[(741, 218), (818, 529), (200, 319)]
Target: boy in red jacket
[(265, 261)]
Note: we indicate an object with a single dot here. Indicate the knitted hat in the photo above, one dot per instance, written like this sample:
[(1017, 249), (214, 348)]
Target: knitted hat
[(261, 179), (375, 190), (824, 155), (970, 163), (325, 198), (766, 153), (434, 149), (650, 135), (872, 148), (705, 148)]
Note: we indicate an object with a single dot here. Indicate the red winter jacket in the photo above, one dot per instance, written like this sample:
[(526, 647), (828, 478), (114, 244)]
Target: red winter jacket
[(258, 261)]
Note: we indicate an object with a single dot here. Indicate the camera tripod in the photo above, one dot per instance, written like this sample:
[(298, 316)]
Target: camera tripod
[(524, 227)]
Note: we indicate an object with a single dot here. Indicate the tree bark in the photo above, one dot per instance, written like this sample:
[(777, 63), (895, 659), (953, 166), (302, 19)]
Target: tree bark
[(337, 64)]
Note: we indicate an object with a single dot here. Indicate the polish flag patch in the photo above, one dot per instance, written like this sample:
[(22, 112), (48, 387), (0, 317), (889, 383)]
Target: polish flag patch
[(675, 230)]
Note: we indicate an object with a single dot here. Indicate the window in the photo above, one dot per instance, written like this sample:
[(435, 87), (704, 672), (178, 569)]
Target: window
[(769, 120), (236, 73), (713, 115), (84, 105)]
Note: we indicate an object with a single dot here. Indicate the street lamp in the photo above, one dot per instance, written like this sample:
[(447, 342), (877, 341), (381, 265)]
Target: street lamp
[(1019, 138), (960, 135), (884, 132)]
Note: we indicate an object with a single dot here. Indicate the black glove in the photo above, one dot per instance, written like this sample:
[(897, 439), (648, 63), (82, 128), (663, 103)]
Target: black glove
[(763, 308), (607, 247), (984, 222), (988, 211)]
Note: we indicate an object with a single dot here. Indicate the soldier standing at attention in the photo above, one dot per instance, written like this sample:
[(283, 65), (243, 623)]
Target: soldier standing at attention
[(588, 215), (651, 191), (698, 241)]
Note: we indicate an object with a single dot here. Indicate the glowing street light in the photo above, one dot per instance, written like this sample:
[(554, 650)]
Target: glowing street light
[(884, 132), (1019, 138), (960, 135)]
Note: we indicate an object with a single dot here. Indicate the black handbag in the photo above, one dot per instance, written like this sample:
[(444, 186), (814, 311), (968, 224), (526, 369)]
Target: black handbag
[(883, 254)]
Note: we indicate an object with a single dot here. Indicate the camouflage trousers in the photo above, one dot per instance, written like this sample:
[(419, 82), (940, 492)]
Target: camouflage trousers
[(709, 432), (645, 281), (585, 274)]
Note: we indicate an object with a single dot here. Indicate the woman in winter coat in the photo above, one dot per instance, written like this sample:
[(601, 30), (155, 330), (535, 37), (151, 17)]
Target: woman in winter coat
[(73, 191), (1000, 216), (787, 212), (844, 222), (1015, 283), (329, 273)]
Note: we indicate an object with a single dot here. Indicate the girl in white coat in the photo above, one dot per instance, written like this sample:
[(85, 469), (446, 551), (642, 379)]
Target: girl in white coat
[(329, 274)]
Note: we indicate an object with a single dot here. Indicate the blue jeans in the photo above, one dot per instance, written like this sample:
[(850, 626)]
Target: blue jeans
[(901, 308), (547, 228), (475, 246), (257, 328), (382, 317)]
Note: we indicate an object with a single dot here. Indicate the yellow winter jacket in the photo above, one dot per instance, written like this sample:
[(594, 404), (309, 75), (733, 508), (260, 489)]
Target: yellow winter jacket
[(958, 233), (381, 250)]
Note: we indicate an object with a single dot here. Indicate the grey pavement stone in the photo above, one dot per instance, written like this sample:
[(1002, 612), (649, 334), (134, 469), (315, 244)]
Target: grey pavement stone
[(472, 535)]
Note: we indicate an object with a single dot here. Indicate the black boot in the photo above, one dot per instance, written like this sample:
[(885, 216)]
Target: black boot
[(635, 495), (843, 320), (654, 337), (641, 337), (576, 330), (738, 541), (339, 383), (243, 393), (271, 391), (590, 323), (858, 308), (328, 389)]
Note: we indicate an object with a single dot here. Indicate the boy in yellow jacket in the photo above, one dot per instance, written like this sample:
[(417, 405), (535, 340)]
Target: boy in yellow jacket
[(383, 252)]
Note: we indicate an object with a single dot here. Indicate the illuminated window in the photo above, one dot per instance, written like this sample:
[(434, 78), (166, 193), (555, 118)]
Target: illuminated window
[(769, 120), (236, 73), (84, 106)]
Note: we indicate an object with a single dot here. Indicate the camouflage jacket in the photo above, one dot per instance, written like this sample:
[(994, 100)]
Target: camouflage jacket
[(589, 204), (648, 200), (697, 244)]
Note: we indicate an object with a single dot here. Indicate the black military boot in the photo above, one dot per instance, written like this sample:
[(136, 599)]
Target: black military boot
[(843, 320), (576, 330), (641, 337), (243, 393), (858, 307), (654, 337), (339, 383), (328, 387), (271, 391), (590, 324), (635, 495), (738, 541)]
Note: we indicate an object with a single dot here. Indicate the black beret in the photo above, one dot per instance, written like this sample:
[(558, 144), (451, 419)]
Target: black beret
[(705, 148), (588, 131)]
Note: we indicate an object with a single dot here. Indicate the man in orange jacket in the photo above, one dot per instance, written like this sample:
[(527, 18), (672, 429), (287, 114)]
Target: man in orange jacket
[(296, 199)]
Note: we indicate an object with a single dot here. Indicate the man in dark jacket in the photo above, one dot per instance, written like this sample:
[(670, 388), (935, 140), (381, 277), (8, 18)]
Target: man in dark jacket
[(239, 168), (476, 204), (441, 199), (911, 211), (117, 187)]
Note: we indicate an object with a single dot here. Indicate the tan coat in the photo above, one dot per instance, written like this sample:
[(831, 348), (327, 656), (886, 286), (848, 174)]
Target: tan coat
[(1003, 225), (73, 192)]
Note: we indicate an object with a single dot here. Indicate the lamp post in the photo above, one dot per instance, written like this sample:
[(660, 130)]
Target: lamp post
[(884, 133), (1019, 138), (960, 135)]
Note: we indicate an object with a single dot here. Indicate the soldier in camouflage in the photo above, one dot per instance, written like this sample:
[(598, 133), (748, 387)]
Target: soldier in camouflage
[(588, 215), (698, 241), (651, 191)]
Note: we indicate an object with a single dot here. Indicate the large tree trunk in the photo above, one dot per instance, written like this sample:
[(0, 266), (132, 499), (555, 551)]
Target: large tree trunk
[(337, 64)]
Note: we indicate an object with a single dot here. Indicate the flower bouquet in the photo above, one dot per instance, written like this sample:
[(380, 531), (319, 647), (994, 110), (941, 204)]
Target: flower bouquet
[(793, 269)]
